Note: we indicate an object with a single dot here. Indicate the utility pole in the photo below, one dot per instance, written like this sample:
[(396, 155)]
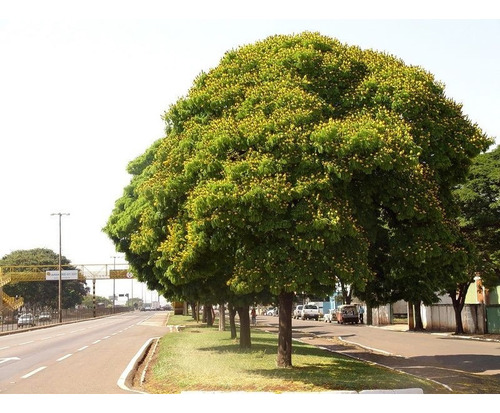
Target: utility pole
[(114, 268), (60, 214)]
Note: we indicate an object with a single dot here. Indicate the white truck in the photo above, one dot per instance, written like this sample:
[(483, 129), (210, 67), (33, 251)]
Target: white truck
[(310, 310)]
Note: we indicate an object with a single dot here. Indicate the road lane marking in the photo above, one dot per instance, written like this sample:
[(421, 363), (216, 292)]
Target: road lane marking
[(376, 350), (82, 348), (64, 357), (97, 341), (3, 348), (105, 338), (6, 359), (26, 342), (34, 372)]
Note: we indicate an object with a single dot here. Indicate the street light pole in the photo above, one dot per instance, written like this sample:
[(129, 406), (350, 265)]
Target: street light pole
[(114, 268), (60, 214)]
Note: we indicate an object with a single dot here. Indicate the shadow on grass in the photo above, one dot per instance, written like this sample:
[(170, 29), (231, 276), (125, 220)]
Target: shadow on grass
[(267, 345)]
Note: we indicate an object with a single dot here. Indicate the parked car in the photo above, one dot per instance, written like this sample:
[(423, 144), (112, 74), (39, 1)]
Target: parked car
[(330, 315), (297, 313), (45, 316), (310, 311), (272, 311), (26, 320), (347, 313)]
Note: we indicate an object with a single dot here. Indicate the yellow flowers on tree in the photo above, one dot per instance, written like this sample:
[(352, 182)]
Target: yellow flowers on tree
[(284, 165)]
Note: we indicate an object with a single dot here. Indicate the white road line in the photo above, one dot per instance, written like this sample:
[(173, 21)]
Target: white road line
[(33, 372), (64, 357), (82, 348), (371, 348), (97, 341), (3, 348), (26, 342), (105, 338), (5, 360)]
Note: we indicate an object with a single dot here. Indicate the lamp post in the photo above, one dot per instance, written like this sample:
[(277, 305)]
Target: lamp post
[(60, 214), (114, 268)]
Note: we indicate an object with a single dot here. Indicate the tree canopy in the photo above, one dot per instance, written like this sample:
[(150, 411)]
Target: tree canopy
[(479, 201), (299, 161)]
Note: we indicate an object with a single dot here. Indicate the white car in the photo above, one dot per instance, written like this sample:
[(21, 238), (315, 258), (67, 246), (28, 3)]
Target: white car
[(272, 311), (330, 315), (297, 313), (26, 320)]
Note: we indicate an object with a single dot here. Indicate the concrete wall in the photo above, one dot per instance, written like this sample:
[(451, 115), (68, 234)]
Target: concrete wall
[(440, 317)]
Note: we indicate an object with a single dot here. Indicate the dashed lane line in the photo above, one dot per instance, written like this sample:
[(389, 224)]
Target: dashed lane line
[(34, 372), (64, 357)]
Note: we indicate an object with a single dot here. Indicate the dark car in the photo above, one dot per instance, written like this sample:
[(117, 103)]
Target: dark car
[(45, 316), (347, 314)]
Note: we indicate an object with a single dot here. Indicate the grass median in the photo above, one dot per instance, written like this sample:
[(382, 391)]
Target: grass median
[(201, 358)]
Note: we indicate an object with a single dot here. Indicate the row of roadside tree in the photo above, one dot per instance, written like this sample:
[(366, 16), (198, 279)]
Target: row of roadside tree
[(300, 163)]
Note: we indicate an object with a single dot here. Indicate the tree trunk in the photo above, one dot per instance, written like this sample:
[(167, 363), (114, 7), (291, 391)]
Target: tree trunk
[(193, 310), (458, 300), (245, 340), (232, 322), (285, 330), (222, 317), (369, 315), (459, 327), (207, 309), (419, 326), (411, 319)]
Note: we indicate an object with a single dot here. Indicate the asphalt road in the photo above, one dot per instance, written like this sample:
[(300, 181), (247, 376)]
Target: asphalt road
[(88, 357), (460, 365)]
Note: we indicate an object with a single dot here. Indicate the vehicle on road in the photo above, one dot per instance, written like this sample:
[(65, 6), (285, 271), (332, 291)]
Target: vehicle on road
[(26, 320), (347, 313), (330, 315), (45, 316), (310, 311), (272, 311), (297, 313)]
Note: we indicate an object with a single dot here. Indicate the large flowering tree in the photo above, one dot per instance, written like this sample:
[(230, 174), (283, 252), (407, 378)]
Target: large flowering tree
[(283, 167)]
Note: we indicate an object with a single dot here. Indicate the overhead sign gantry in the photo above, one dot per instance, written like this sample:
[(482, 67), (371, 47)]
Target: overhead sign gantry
[(10, 274)]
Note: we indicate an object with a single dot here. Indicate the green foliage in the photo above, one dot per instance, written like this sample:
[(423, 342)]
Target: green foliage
[(294, 163), (479, 202)]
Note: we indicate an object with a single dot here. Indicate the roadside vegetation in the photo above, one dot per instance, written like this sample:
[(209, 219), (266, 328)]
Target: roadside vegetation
[(201, 358), (302, 164)]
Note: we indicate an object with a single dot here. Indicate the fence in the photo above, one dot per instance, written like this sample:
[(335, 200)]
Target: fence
[(441, 317), (9, 320), (493, 316)]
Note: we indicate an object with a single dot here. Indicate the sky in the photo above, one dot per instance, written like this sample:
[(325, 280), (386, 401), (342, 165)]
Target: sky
[(82, 93)]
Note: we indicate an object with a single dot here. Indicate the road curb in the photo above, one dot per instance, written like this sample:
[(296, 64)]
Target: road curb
[(126, 378)]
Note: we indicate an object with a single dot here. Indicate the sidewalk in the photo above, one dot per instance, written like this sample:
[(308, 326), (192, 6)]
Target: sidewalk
[(404, 327)]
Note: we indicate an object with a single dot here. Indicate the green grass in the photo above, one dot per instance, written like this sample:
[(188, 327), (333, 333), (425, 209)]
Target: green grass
[(201, 358)]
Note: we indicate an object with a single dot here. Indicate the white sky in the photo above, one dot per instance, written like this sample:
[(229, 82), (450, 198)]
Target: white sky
[(82, 94)]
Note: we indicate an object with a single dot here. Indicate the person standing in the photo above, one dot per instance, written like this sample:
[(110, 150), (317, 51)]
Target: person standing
[(254, 316), (361, 312)]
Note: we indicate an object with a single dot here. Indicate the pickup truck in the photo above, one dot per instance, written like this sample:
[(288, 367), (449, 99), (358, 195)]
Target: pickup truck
[(310, 311)]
